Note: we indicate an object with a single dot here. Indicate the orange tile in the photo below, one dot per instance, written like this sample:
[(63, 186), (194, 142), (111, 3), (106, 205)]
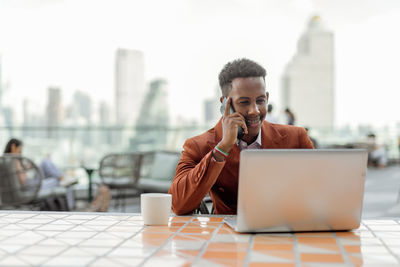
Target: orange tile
[(227, 246), (315, 234), (347, 235), (356, 260), (180, 219), (160, 229), (273, 239), (313, 257), (352, 248), (198, 230), (287, 255), (209, 219), (265, 264), (331, 247), (202, 225), (226, 231), (317, 240), (176, 224), (146, 236), (263, 246), (154, 242), (227, 262), (189, 253), (224, 255), (192, 237)]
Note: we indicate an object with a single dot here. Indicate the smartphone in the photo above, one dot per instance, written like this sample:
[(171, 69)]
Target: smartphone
[(222, 109)]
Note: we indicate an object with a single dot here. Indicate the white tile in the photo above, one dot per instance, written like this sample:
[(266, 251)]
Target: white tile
[(207, 263), (184, 245), (22, 240), (76, 252), (100, 243), (97, 227), (97, 251), (51, 242), (48, 233), (105, 235), (124, 235), (53, 227), (29, 226), (11, 227), (70, 241), (166, 262), (130, 229), (107, 263), (231, 238), (20, 215), (129, 261), (43, 250), (75, 222), (38, 221), (69, 261), (100, 222), (11, 248), (80, 217), (34, 260), (78, 235), (80, 228), (10, 220), (10, 232), (12, 261), (131, 252), (376, 222)]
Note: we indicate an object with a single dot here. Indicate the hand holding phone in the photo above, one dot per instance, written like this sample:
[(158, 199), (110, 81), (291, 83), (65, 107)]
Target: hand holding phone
[(234, 125)]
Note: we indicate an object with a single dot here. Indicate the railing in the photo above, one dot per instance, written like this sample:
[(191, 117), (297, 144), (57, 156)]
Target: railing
[(75, 146)]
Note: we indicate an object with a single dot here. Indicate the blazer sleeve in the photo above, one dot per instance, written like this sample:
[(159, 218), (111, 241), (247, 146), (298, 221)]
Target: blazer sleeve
[(304, 140), (194, 177)]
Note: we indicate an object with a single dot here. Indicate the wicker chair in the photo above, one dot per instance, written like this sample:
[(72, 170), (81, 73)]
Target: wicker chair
[(12, 193), (120, 172)]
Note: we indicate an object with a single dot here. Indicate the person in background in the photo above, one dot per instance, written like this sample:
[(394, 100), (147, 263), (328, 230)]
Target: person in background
[(52, 175), (271, 117), (313, 140), (290, 117), (377, 155)]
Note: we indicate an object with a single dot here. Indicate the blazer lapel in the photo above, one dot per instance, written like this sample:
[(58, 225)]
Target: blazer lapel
[(271, 138)]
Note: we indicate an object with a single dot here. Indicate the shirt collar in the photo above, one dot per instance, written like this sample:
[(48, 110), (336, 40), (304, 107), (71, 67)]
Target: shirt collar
[(256, 144)]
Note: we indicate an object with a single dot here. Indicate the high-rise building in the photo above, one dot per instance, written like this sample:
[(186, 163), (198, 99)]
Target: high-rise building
[(80, 110), (153, 120), (54, 109), (308, 80), (129, 85), (212, 108)]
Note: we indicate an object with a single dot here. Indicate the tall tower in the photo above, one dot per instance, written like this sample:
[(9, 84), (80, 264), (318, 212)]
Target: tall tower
[(129, 85), (308, 80), (54, 109), (154, 118)]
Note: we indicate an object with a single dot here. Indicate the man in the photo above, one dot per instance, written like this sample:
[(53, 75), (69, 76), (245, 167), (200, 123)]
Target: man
[(271, 117), (210, 161)]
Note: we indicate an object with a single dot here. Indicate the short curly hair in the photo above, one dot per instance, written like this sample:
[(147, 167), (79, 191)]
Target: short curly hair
[(239, 68)]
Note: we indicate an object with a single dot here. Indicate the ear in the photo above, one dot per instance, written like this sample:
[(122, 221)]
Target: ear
[(267, 95), (221, 99)]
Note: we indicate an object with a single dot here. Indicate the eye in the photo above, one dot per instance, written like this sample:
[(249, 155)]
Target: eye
[(244, 102), (260, 101)]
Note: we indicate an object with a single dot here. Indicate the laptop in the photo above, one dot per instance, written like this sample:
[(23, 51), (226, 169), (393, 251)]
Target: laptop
[(287, 190)]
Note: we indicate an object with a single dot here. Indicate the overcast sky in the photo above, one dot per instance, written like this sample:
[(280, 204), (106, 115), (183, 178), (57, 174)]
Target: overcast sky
[(72, 44)]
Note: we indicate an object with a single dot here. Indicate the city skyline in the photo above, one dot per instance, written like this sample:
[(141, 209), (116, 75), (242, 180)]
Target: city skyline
[(72, 46)]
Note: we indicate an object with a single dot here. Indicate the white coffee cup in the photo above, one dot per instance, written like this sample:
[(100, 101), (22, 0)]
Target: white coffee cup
[(156, 208)]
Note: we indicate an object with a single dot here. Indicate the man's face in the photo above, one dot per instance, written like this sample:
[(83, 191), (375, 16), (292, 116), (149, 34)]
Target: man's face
[(250, 99)]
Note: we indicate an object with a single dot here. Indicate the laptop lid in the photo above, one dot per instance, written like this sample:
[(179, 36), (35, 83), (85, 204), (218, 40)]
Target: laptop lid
[(300, 190)]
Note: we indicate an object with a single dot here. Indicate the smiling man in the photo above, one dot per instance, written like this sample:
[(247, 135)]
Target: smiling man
[(210, 161)]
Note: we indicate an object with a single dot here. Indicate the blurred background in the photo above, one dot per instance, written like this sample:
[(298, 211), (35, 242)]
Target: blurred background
[(80, 79)]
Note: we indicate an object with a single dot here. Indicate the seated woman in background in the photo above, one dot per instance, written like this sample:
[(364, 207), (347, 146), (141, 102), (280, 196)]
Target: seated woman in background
[(52, 175)]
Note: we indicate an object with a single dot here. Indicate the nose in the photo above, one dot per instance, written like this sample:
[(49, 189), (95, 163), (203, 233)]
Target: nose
[(254, 110)]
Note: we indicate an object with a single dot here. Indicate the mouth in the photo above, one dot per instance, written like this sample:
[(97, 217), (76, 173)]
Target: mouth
[(253, 123)]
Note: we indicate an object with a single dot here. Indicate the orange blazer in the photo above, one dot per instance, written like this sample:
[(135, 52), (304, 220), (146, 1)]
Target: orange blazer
[(198, 173)]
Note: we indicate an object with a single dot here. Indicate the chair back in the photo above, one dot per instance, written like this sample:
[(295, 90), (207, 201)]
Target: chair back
[(13, 169), (120, 170)]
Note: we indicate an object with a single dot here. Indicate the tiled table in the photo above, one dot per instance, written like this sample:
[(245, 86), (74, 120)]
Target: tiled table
[(101, 239)]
